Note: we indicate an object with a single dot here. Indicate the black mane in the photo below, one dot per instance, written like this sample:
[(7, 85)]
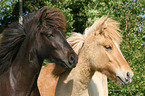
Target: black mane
[(12, 38), (15, 34), (52, 17)]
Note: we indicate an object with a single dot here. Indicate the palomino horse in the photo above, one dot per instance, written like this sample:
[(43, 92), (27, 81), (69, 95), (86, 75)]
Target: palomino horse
[(104, 29), (98, 85), (98, 51), (24, 47), (48, 78)]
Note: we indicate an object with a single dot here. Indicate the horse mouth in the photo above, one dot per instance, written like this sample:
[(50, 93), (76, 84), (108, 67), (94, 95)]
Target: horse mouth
[(124, 79), (64, 65), (59, 62), (121, 81)]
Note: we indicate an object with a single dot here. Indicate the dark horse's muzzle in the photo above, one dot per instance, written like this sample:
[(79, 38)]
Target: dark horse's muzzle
[(72, 60)]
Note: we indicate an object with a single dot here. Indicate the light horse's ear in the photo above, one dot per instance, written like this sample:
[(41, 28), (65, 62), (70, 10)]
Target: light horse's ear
[(102, 25), (98, 26)]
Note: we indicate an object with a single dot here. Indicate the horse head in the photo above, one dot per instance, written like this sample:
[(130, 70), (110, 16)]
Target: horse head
[(102, 41), (49, 25)]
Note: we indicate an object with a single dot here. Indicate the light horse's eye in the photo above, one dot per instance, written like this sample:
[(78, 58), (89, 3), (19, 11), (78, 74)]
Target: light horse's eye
[(108, 47)]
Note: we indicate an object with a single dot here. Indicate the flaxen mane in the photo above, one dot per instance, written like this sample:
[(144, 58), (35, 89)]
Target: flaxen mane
[(104, 25), (15, 34)]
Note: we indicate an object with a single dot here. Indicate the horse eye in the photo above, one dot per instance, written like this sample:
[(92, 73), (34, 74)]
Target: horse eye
[(49, 35), (108, 47)]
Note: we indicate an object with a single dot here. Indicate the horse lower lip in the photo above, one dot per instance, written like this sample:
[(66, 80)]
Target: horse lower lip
[(120, 81)]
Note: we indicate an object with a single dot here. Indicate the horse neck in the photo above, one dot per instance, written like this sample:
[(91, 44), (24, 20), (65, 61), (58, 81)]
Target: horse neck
[(74, 82), (84, 68), (25, 68)]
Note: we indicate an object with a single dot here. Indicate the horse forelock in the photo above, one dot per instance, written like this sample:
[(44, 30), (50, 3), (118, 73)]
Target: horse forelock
[(52, 17), (107, 27), (45, 18), (111, 30)]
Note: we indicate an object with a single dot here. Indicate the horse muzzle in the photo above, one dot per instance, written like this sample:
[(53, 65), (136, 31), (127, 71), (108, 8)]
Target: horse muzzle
[(124, 78), (72, 60)]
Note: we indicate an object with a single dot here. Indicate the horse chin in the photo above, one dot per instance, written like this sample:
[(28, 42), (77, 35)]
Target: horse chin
[(63, 65), (58, 62), (120, 81)]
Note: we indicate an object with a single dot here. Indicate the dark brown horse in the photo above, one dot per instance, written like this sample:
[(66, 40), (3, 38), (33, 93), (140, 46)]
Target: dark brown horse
[(23, 49)]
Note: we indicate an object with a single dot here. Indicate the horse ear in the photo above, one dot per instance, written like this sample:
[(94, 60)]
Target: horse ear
[(42, 13), (98, 26), (103, 24)]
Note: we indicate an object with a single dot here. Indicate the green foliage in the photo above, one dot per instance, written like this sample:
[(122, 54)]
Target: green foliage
[(6, 12), (81, 14)]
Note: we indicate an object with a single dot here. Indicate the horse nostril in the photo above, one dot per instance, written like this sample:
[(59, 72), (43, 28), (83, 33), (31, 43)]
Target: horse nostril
[(128, 76), (71, 59)]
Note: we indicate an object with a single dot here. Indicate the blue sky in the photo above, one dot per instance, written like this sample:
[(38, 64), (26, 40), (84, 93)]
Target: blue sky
[(143, 15)]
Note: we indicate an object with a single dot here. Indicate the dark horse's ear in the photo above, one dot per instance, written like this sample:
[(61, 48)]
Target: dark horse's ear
[(42, 14)]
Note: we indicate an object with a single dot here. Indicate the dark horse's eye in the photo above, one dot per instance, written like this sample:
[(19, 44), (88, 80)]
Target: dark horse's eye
[(108, 47), (49, 35)]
